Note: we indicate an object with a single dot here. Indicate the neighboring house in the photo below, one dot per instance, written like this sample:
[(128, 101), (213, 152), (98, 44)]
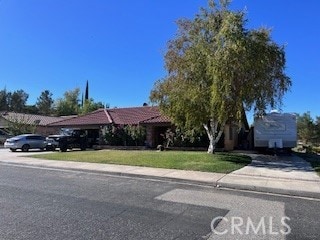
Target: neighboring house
[(39, 122)]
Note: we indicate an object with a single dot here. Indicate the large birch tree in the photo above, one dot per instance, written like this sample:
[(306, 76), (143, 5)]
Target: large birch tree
[(217, 68)]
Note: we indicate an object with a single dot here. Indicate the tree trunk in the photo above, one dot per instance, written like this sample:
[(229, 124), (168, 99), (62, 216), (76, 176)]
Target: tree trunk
[(212, 146), (214, 131)]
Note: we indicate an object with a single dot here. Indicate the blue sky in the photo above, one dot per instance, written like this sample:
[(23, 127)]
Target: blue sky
[(118, 46)]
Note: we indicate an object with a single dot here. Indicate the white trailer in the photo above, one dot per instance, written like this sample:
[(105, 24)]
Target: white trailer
[(275, 130)]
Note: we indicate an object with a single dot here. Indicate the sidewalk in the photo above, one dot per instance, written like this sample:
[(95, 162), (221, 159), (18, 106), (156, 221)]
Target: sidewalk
[(288, 175), (195, 177)]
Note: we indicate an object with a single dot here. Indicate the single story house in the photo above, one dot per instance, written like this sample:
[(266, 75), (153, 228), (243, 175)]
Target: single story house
[(96, 122), (149, 116)]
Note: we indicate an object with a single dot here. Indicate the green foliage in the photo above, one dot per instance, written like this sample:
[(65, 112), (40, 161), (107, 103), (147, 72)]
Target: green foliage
[(136, 135), (216, 69), (308, 129), (86, 97), (31, 109), (17, 100), (316, 149), (178, 138), (114, 135), (4, 105), (45, 103), (129, 135), (90, 106), (69, 104), (317, 129)]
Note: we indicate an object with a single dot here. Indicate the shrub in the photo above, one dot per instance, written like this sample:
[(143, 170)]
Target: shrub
[(179, 138), (128, 135)]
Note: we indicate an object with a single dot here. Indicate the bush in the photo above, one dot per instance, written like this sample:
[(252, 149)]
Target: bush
[(128, 135), (178, 138), (316, 149)]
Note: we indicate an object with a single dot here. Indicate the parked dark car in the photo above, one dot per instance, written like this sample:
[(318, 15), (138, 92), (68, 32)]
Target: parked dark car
[(68, 139), (26, 142), (52, 142)]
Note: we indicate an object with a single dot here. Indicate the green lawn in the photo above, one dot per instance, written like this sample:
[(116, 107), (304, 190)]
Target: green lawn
[(312, 158), (197, 161)]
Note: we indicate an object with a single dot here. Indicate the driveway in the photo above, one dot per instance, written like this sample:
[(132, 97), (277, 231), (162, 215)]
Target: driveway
[(7, 154), (283, 167), (277, 174)]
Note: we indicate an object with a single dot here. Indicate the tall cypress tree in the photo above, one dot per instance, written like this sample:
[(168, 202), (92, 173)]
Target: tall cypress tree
[(86, 97)]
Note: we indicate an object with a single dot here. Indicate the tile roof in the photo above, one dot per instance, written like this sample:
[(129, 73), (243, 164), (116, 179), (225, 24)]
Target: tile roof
[(157, 119), (30, 118), (134, 115), (98, 117), (119, 116)]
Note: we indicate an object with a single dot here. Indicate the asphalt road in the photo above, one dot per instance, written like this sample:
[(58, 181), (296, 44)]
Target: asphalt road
[(38, 203)]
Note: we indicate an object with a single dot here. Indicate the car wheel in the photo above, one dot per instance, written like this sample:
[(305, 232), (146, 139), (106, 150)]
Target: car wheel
[(63, 148), (25, 148), (83, 147), (13, 150), (51, 148)]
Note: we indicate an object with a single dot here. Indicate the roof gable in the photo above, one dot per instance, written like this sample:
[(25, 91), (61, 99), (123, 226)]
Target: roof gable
[(98, 117)]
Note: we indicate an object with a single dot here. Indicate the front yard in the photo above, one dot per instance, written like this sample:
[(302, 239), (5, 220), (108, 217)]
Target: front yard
[(184, 160)]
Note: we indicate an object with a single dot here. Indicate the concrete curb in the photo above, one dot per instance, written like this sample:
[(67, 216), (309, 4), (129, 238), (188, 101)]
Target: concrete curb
[(296, 193), (271, 185)]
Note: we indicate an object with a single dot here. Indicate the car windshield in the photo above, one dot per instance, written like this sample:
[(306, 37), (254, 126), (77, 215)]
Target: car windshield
[(65, 131)]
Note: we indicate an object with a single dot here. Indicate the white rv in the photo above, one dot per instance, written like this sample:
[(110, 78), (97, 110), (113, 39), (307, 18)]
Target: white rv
[(275, 130)]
